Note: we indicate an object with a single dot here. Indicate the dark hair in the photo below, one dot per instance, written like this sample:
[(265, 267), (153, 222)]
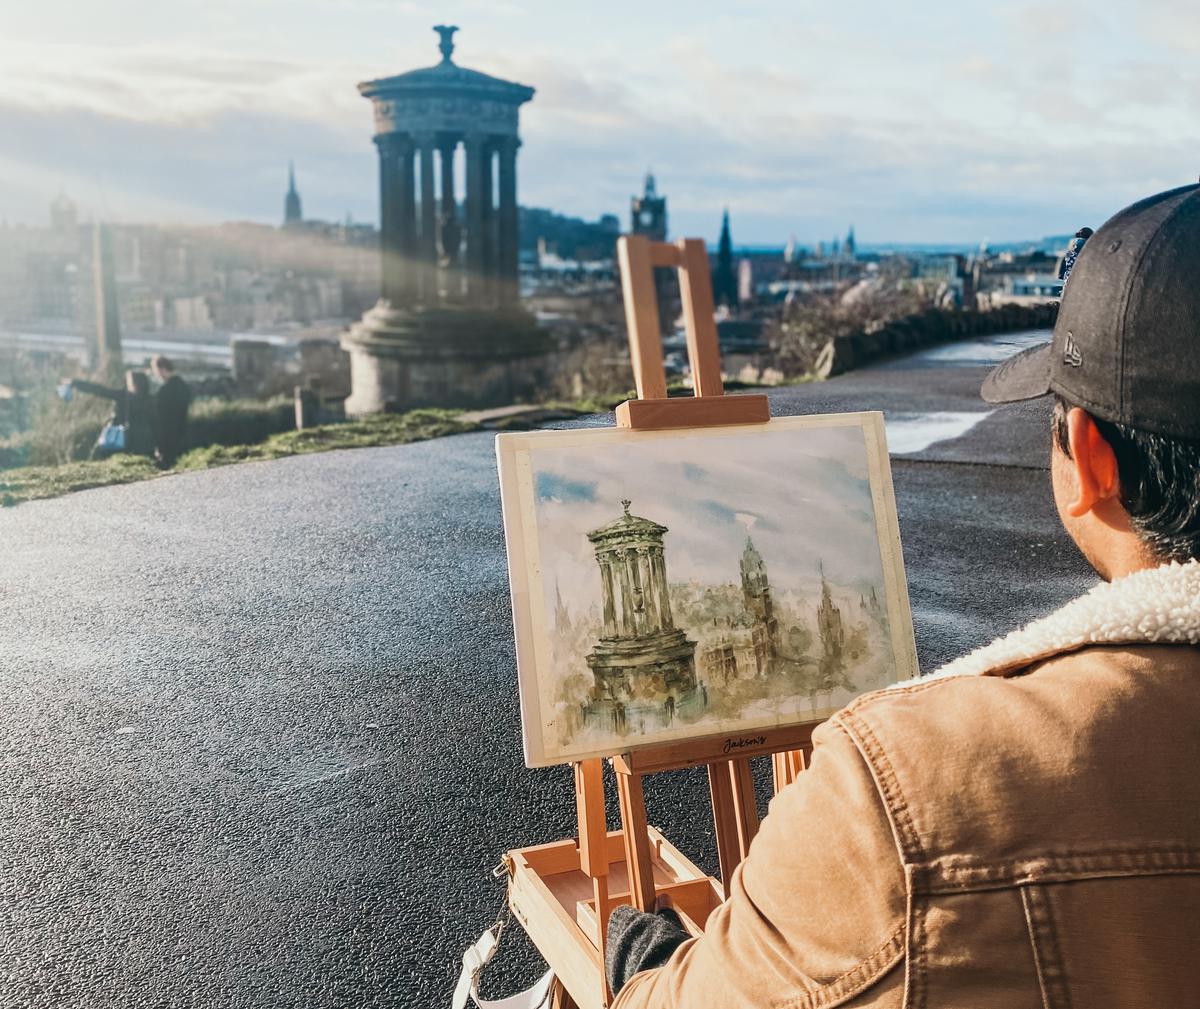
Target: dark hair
[(137, 382), (160, 362), (1084, 233), (1160, 483)]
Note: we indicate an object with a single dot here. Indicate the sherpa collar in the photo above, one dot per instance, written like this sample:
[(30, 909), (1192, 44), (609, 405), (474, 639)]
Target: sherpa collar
[(1156, 606)]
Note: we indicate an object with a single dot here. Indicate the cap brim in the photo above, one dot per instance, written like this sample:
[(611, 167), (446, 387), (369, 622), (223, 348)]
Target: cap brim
[(1023, 376)]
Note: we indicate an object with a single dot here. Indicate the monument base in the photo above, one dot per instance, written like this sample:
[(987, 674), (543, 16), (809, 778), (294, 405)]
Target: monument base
[(401, 359)]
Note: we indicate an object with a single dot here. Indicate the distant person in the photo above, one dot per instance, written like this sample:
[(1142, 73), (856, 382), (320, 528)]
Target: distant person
[(1074, 247), (133, 413), (171, 404)]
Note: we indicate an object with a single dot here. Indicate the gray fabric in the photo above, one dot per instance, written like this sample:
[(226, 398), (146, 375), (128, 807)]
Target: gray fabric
[(1126, 345), (639, 941)]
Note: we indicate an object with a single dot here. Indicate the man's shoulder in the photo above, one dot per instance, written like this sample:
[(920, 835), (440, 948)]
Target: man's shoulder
[(975, 764), (1085, 678), (175, 389)]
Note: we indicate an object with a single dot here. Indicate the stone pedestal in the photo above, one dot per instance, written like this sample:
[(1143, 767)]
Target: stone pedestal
[(445, 356)]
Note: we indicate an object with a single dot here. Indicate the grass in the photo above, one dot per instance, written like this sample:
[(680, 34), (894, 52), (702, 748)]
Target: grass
[(31, 483), (381, 429)]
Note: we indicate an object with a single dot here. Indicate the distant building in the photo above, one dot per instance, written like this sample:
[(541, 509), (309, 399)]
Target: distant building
[(64, 215), (756, 593), (648, 216), (292, 214), (648, 212), (725, 286), (851, 246), (1032, 289), (745, 281), (107, 349), (832, 631)]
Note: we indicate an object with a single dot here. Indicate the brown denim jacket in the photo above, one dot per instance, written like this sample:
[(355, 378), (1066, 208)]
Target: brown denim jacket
[(1019, 830)]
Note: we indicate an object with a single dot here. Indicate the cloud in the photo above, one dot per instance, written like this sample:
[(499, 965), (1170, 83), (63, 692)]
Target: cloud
[(1006, 122), (751, 489), (561, 489), (225, 166)]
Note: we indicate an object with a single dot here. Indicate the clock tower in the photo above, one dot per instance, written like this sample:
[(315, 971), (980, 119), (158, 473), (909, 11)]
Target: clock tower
[(648, 213), (648, 216)]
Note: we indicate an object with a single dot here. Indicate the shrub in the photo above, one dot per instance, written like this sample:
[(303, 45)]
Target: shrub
[(238, 421)]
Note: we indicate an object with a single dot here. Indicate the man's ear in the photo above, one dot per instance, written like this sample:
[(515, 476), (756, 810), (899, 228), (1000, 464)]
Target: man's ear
[(1097, 478)]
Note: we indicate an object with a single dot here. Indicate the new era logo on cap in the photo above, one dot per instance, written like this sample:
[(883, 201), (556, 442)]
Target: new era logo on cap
[(1071, 354)]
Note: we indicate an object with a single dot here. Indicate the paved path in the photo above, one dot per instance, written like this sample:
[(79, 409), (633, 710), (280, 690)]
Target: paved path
[(261, 739)]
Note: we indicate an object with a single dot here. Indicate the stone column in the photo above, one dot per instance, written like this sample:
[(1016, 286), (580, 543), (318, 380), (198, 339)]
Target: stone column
[(389, 217), (408, 222), (449, 231), (667, 622), (610, 611), (428, 236), (478, 198), (639, 589), (507, 285), (628, 624), (649, 591), (490, 234)]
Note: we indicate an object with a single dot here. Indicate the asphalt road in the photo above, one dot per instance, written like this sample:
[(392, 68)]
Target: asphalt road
[(261, 737)]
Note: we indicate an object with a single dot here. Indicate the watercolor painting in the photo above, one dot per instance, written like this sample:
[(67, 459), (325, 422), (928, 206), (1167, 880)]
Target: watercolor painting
[(680, 584)]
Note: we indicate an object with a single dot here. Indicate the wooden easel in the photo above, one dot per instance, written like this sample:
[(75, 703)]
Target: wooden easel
[(637, 865)]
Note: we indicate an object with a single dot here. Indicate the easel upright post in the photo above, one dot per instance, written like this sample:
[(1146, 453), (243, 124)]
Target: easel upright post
[(593, 842)]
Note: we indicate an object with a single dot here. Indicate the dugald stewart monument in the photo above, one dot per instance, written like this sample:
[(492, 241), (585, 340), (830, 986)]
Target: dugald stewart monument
[(448, 328)]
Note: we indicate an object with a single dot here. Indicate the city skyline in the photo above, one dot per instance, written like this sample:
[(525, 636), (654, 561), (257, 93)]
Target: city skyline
[(997, 125)]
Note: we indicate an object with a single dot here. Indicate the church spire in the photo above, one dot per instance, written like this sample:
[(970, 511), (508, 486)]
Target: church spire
[(292, 214), (725, 290)]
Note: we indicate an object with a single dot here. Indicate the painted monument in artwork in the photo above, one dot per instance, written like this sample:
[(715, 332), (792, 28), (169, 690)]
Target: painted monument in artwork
[(680, 584), (644, 666)]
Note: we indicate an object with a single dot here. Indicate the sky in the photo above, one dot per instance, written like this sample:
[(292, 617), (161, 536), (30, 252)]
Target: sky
[(803, 496), (996, 121)]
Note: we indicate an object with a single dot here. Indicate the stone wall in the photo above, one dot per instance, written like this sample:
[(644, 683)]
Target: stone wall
[(936, 325)]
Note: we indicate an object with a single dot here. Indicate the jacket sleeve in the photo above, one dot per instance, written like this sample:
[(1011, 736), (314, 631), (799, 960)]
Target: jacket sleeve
[(93, 389), (816, 912)]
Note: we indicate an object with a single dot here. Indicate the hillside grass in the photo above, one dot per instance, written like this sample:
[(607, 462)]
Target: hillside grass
[(31, 483), (222, 421)]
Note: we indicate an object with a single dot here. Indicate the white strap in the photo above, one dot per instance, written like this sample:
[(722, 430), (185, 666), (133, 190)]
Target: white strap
[(474, 960)]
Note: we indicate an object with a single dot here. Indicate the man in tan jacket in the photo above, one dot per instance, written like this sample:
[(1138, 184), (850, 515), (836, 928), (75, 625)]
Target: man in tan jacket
[(1022, 828)]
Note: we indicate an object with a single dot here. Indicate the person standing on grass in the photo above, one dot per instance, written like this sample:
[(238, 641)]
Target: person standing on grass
[(133, 410), (171, 404)]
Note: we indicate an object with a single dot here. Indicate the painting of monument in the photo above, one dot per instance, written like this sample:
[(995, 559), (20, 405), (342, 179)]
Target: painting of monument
[(680, 584)]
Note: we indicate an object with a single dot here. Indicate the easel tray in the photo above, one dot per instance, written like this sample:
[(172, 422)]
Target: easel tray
[(552, 896)]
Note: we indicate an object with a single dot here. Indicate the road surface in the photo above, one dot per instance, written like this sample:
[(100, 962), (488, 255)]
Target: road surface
[(261, 737)]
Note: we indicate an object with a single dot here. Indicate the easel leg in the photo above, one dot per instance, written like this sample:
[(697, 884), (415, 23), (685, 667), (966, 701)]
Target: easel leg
[(787, 766), (637, 842), (559, 999), (745, 803), (593, 846), (720, 787)]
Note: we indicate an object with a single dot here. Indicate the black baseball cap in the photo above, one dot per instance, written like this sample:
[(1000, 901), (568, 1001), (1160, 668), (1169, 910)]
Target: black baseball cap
[(1126, 346)]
